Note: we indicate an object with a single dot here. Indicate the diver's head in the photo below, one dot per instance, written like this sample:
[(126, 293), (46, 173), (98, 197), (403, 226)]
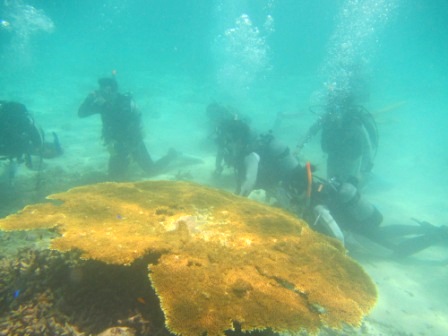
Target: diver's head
[(217, 113), (14, 108), (108, 87), (340, 100), (236, 131), (297, 182)]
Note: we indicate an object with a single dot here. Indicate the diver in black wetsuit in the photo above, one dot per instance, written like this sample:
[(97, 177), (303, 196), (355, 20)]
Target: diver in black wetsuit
[(349, 137), (259, 162), (335, 207), (331, 207), (122, 129), (21, 140)]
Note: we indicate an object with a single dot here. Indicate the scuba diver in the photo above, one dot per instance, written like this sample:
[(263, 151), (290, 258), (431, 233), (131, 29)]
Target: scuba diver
[(122, 129), (335, 207), (349, 137), (223, 124), (259, 162), (217, 114), (21, 140), (332, 207)]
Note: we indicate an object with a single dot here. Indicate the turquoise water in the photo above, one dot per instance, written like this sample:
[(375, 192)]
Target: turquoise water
[(273, 62), (263, 57)]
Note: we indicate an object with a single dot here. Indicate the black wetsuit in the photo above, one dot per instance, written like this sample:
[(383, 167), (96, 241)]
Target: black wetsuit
[(276, 162), (359, 216), (19, 136), (122, 132), (350, 139), (260, 162)]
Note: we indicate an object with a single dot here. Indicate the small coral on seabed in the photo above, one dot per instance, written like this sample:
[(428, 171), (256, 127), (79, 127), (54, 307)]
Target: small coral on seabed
[(50, 293), (28, 304)]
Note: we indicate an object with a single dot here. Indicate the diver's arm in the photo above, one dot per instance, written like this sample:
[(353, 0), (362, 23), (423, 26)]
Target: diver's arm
[(91, 105), (251, 162)]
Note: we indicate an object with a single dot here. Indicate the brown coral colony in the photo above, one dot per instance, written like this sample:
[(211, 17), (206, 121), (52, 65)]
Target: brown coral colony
[(214, 259)]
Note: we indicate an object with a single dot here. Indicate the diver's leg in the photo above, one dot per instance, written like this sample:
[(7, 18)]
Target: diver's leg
[(411, 238), (429, 235), (118, 166), (162, 163), (400, 231), (118, 162), (143, 158), (413, 245), (387, 236), (9, 170), (376, 235)]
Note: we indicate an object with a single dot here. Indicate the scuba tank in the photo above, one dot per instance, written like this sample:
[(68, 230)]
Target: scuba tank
[(359, 213), (325, 221)]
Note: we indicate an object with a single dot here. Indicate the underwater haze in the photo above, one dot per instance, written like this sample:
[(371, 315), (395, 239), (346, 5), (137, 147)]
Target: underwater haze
[(264, 58)]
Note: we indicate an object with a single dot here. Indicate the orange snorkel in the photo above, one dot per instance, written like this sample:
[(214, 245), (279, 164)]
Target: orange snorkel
[(309, 175)]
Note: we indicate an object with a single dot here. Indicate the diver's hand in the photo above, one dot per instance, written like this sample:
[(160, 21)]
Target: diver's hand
[(98, 99)]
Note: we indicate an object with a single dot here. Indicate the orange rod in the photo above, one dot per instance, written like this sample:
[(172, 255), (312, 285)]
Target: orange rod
[(310, 179)]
